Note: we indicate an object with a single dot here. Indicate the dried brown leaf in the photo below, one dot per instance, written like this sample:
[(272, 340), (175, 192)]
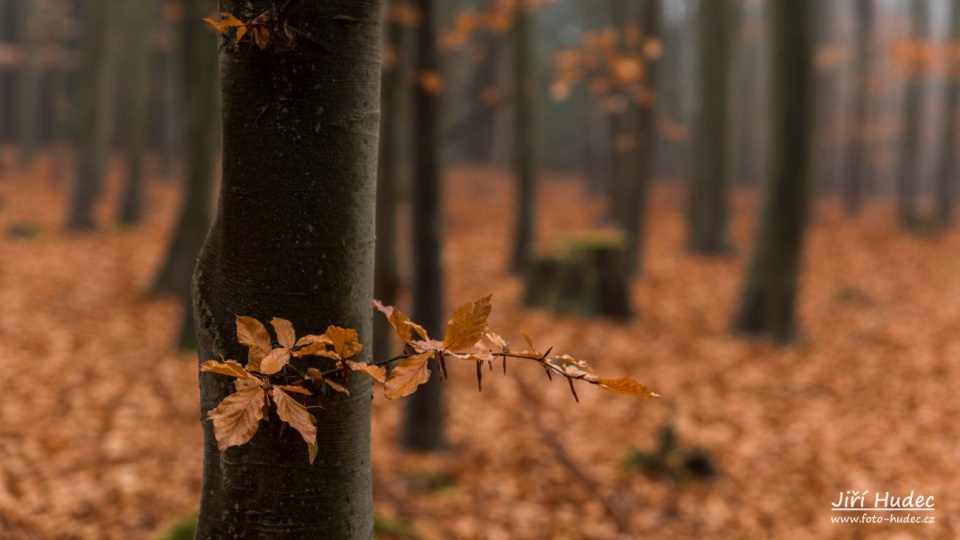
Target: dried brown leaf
[(253, 334), (295, 414), (626, 386), (407, 376), (467, 324), (275, 361), (285, 333), (377, 373), (311, 345), (297, 390), (345, 341), (237, 418), (338, 387), (401, 323), (230, 367)]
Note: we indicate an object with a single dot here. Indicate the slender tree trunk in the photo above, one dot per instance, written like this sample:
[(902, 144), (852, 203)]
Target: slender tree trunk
[(28, 84), (136, 50), (947, 165), (853, 181), (708, 204), (386, 272), (525, 147), (201, 142), (294, 238), (171, 96), (647, 126), (769, 296), (91, 128), (423, 422), (912, 111)]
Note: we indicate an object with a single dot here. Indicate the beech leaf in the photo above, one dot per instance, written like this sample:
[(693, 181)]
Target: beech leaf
[(230, 367), (407, 376), (338, 387), (345, 341), (467, 324), (253, 334), (295, 414), (237, 418), (377, 373), (312, 450), (401, 323), (275, 361), (626, 386), (311, 345), (285, 334), (297, 390)]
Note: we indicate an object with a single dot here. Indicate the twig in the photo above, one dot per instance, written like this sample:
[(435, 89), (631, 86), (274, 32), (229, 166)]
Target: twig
[(612, 507)]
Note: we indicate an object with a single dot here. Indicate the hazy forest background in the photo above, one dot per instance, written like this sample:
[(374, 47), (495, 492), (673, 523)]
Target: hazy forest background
[(747, 205)]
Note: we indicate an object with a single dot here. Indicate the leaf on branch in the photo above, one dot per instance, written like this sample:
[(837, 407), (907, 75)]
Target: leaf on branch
[(338, 387), (253, 334), (227, 22), (275, 361), (296, 415), (569, 366), (626, 386), (467, 324), (345, 341), (311, 345), (315, 375), (230, 367), (297, 390), (237, 418), (285, 333), (401, 323), (496, 339), (261, 36), (377, 373), (242, 31), (407, 376)]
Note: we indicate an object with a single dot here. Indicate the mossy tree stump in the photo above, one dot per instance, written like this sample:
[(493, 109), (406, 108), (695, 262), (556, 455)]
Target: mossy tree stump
[(585, 273)]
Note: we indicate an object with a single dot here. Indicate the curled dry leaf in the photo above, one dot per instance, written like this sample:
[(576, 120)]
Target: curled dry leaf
[(338, 387), (377, 373), (285, 333), (253, 334), (401, 323), (275, 361), (295, 414), (227, 22), (230, 367), (311, 345), (297, 390), (345, 341), (467, 324), (237, 418), (626, 386), (407, 376)]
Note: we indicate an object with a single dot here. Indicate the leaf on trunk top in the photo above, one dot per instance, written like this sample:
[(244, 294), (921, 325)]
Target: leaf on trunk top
[(230, 367), (261, 36), (275, 361), (296, 415), (467, 324), (253, 334), (285, 333), (227, 22), (626, 386), (401, 323), (407, 376), (311, 345), (237, 418), (377, 373), (345, 341)]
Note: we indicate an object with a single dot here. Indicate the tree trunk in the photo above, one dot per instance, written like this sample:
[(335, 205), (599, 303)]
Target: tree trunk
[(853, 183), (136, 50), (201, 145), (171, 90), (423, 421), (91, 129), (525, 147), (708, 204), (386, 271), (28, 84), (294, 238), (769, 296), (947, 165), (910, 139)]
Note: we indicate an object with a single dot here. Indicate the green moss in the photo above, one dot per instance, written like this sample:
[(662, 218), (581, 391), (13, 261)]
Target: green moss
[(181, 531)]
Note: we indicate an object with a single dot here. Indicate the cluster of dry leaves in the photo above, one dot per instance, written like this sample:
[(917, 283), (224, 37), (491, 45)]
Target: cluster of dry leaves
[(100, 427)]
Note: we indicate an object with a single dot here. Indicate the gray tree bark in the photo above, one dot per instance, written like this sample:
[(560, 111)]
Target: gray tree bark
[(946, 167), (708, 204), (525, 147), (386, 271), (423, 419), (138, 16), (768, 300), (910, 138), (293, 237), (28, 84), (91, 127), (854, 179)]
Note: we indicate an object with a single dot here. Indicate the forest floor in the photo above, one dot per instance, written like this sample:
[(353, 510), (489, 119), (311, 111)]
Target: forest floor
[(99, 425)]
